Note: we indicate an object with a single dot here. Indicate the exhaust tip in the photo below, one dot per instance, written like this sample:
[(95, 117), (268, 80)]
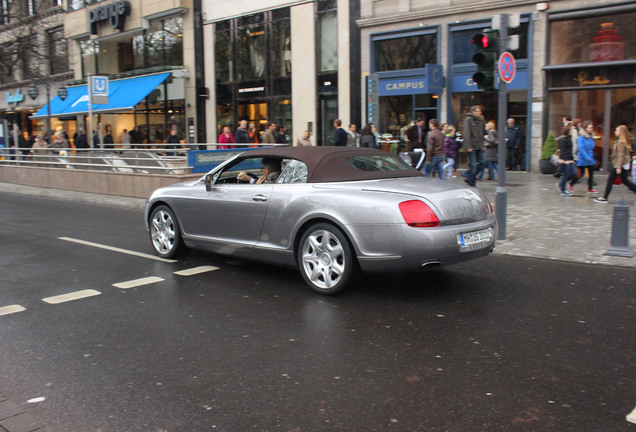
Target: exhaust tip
[(430, 264)]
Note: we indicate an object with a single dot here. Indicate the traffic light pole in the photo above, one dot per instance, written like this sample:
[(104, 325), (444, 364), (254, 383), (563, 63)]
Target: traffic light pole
[(501, 194)]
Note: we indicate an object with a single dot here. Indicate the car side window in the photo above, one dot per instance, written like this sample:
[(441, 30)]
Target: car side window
[(252, 166), (295, 171)]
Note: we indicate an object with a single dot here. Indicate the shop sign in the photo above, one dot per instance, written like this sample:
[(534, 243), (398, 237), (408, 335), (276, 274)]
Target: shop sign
[(606, 76), (431, 82), (251, 89), (14, 99), (115, 13)]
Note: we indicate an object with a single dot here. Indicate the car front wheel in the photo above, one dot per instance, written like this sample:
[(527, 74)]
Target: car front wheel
[(325, 259), (164, 232)]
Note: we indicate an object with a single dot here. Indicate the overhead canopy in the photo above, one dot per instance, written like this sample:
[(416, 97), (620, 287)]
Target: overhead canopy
[(123, 95)]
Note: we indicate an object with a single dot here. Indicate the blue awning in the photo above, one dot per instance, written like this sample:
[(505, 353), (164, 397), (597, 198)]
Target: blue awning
[(123, 96)]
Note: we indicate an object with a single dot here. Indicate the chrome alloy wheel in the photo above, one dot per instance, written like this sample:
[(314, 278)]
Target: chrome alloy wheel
[(323, 259), (163, 232)]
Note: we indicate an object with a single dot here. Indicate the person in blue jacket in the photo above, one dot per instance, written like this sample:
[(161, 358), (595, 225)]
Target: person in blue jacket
[(585, 155)]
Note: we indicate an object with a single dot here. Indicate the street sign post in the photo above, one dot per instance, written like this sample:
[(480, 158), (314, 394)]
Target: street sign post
[(507, 67)]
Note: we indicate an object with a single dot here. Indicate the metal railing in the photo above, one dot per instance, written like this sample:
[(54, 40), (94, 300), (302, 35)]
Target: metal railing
[(158, 159), (132, 158)]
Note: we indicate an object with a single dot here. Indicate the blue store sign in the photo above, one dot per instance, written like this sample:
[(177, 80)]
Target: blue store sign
[(431, 81)]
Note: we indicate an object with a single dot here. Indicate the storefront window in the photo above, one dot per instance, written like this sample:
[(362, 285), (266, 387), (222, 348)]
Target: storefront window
[(327, 41), (399, 53), (597, 38)]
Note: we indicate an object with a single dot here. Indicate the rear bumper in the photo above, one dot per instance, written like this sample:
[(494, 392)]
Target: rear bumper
[(391, 248)]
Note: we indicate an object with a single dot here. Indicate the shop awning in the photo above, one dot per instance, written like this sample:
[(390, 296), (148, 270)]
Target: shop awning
[(123, 96)]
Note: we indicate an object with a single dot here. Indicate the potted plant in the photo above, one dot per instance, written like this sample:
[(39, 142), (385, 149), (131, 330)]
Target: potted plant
[(549, 147)]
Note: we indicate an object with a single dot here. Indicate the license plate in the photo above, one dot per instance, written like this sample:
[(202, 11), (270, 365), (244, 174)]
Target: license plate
[(475, 237)]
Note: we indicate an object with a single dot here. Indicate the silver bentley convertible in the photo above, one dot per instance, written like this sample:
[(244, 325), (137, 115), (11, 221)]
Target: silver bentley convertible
[(329, 211)]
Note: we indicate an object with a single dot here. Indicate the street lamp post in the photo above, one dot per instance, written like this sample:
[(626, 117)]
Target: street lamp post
[(33, 93)]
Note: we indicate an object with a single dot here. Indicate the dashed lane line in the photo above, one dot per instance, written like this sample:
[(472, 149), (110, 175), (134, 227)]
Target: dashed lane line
[(116, 249), (138, 282), (11, 309), (77, 295), (195, 270)]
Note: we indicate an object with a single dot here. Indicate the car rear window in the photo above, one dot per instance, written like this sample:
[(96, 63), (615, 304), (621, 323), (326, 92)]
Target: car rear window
[(378, 163)]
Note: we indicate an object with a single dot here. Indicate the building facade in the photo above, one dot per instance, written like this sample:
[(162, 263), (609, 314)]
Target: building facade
[(146, 50), (32, 54), (575, 59), (291, 62)]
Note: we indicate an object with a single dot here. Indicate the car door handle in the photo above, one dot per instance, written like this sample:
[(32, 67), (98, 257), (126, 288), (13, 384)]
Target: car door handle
[(259, 197)]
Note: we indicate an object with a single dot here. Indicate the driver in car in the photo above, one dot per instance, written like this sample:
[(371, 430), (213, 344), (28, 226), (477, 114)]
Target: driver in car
[(271, 172)]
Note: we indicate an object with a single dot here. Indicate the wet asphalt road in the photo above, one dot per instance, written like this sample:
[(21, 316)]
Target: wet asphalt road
[(501, 343)]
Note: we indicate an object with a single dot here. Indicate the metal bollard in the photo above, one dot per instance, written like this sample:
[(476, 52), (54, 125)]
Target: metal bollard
[(620, 232)]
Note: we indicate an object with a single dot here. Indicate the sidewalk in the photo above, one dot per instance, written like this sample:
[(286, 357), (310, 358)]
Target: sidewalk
[(543, 224), (540, 222)]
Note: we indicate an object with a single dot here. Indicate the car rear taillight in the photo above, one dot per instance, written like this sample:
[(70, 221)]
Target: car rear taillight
[(492, 211), (417, 214)]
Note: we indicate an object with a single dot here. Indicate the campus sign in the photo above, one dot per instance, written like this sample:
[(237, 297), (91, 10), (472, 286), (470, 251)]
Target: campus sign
[(431, 80), (115, 13)]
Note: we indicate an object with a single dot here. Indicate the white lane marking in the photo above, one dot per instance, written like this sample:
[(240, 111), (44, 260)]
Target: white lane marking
[(195, 270), (6, 310), (631, 417), (116, 249), (71, 296), (138, 282)]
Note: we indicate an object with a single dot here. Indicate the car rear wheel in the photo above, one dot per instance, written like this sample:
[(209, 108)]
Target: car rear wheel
[(164, 232), (325, 259)]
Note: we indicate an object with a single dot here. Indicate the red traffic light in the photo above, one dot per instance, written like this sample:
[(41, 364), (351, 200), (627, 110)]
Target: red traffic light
[(486, 40), (481, 40)]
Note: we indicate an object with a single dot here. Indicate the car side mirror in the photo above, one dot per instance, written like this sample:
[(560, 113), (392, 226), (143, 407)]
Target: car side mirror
[(208, 182)]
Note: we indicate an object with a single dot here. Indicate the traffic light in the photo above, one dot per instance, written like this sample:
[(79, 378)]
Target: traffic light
[(487, 45)]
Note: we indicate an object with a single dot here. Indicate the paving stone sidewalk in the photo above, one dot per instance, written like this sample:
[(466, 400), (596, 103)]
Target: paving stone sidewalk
[(543, 224)]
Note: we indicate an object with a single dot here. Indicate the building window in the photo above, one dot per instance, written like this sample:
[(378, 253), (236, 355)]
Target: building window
[(327, 41), (251, 52), (595, 38), (224, 60), (89, 50), (58, 53), (391, 53), (29, 57), (464, 49), (281, 49), (5, 11), (74, 5), (6, 65)]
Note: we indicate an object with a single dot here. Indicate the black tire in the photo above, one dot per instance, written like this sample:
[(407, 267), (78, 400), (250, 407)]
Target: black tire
[(165, 234), (325, 259)]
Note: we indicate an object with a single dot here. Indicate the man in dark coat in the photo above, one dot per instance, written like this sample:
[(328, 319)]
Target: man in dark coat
[(473, 135), (339, 134), (513, 135), (415, 135)]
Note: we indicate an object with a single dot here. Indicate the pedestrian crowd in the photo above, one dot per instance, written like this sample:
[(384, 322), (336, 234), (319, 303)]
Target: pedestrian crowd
[(575, 157)]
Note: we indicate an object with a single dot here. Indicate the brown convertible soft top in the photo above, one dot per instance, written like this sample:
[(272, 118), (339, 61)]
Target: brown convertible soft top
[(328, 164)]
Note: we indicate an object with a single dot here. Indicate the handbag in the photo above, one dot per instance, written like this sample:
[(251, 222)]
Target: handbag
[(555, 158)]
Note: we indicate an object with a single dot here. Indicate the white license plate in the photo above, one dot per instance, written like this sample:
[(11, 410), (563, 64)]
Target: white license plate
[(475, 237)]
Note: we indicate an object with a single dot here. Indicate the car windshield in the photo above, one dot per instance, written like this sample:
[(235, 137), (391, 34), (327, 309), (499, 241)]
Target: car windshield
[(378, 163)]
